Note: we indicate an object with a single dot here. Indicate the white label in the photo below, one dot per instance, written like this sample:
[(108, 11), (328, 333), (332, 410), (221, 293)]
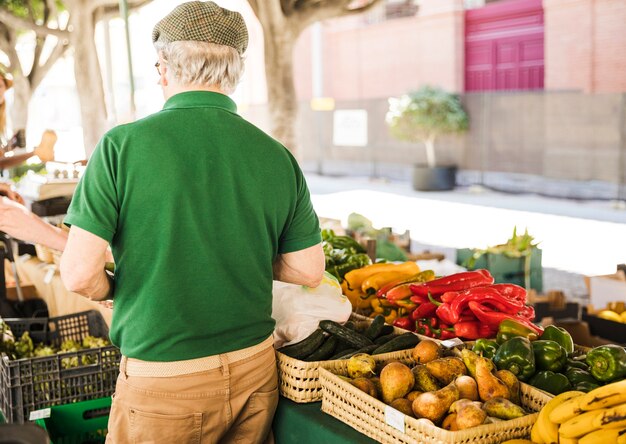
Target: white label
[(394, 418), (49, 275), (451, 343), (350, 127), (39, 414)]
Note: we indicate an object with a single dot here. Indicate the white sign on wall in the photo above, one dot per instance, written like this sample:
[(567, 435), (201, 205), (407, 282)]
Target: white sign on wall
[(350, 127)]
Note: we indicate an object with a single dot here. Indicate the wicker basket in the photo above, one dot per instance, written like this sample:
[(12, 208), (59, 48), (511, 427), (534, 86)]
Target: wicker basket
[(367, 415), (298, 380)]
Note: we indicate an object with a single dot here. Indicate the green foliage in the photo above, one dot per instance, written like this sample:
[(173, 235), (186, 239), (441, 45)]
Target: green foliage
[(425, 114)]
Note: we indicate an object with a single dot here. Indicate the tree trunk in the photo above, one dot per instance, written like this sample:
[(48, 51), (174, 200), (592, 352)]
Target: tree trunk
[(283, 103), (430, 151), (22, 93), (88, 76)]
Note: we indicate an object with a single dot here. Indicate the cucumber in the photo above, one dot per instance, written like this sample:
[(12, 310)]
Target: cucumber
[(342, 353), (402, 342), (384, 339), (369, 349), (305, 347), (325, 351), (375, 328), (387, 330), (355, 339)]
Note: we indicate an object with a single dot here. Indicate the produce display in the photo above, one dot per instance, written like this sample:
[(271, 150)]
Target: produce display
[(453, 393), (342, 254), (612, 315), (592, 418), (335, 341)]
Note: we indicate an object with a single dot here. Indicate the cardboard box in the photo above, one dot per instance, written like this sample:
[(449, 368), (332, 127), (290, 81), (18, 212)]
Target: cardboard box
[(506, 269), (609, 330), (606, 289)]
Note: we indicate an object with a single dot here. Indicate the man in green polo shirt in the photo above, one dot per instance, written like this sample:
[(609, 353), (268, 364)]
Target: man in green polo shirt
[(202, 210)]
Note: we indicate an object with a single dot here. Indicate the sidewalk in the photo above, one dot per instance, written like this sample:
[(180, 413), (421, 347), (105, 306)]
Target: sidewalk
[(577, 238)]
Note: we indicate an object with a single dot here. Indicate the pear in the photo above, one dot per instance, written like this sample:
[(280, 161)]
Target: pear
[(424, 381), (396, 380), (403, 405), (365, 385), (446, 370), (469, 415), (489, 386), (503, 409), (435, 405), (511, 382)]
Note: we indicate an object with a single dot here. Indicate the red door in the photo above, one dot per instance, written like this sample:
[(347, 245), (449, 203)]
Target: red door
[(504, 46)]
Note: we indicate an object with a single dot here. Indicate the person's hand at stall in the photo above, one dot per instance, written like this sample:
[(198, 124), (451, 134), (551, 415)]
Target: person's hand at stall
[(7, 191)]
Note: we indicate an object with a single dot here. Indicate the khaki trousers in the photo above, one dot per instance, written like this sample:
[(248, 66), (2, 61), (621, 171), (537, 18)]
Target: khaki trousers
[(231, 404)]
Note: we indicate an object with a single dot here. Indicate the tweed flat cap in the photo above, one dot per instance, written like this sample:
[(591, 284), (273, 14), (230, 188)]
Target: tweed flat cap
[(203, 22)]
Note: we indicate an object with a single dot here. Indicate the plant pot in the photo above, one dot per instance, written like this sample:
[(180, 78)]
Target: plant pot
[(439, 178)]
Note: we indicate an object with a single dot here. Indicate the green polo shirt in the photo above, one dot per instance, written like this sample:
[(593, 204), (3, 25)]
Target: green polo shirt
[(196, 203)]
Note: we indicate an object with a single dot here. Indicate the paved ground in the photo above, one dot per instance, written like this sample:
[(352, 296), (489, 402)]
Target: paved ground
[(577, 237)]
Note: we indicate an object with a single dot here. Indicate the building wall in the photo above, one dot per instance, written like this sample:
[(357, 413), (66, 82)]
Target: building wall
[(585, 45)]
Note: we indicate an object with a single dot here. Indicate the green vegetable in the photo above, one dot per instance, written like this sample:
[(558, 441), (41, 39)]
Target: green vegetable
[(516, 355), (401, 342), (375, 328), (586, 386), (24, 347), (551, 382), (325, 351), (355, 339), (576, 375), (305, 347), (384, 339), (607, 363), (549, 355), (485, 348), (369, 349), (510, 329), (572, 363), (560, 336)]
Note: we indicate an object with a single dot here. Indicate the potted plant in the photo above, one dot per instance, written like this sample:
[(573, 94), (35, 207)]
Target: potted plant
[(422, 116)]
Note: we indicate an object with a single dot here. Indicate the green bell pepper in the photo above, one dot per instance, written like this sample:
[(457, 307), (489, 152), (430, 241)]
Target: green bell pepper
[(486, 348), (510, 329), (576, 375), (549, 355), (560, 336), (516, 355), (585, 387), (550, 382), (607, 363), (572, 363)]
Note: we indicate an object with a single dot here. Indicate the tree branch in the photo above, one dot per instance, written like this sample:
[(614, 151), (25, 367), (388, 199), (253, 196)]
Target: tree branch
[(52, 7), (18, 23), (55, 55), (40, 41), (312, 11)]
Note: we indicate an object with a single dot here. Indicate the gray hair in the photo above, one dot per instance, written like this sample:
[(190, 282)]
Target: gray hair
[(192, 63)]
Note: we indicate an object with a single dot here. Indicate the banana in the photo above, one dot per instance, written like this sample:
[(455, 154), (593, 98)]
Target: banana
[(609, 315), (567, 440), (566, 410), (605, 396), (604, 436), (580, 425), (612, 417), (519, 441), (544, 430)]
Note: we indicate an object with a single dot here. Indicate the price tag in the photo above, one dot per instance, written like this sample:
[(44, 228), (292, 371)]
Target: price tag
[(394, 418), (39, 414), (49, 275), (449, 343)]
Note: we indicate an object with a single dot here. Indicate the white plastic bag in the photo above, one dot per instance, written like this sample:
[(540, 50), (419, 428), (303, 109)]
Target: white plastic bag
[(298, 309)]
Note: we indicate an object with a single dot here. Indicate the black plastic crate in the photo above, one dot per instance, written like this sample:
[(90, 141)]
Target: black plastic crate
[(33, 383)]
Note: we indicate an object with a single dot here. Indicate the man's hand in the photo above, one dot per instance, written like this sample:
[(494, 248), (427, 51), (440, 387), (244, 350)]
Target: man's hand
[(7, 190), (17, 221)]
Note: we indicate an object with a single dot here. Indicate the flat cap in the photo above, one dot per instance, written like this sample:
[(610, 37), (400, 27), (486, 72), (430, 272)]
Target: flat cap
[(203, 22)]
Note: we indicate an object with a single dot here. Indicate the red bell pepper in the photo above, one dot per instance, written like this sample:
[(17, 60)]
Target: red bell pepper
[(420, 299), (512, 291), (454, 282), (405, 322), (446, 332), (444, 312), (528, 312), (427, 327), (493, 318), (426, 310)]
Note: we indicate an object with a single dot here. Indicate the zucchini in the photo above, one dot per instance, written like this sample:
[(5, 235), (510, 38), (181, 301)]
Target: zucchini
[(355, 339), (342, 353), (384, 339), (325, 351), (375, 328), (369, 349), (402, 342), (305, 347)]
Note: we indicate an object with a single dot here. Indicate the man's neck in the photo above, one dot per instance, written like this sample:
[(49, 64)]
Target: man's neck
[(177, 89)]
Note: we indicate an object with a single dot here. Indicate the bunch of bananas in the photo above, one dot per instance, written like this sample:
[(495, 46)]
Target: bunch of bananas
[(584, 418)]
